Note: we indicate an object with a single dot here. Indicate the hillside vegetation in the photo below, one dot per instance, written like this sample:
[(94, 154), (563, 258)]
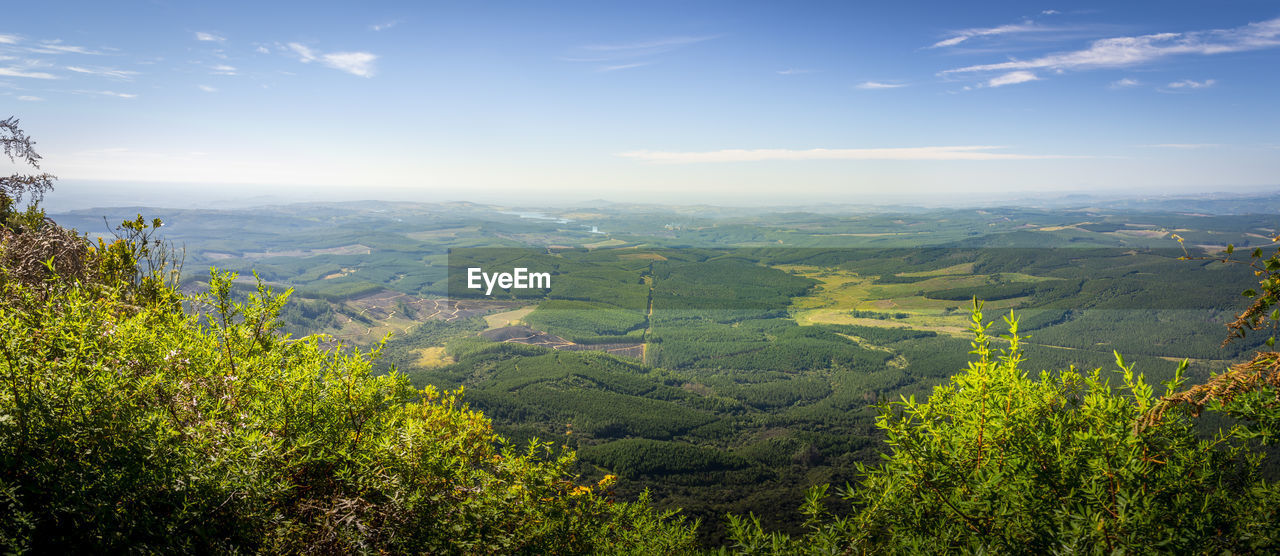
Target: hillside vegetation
[(138, 416), (998, 460), (135, 418)]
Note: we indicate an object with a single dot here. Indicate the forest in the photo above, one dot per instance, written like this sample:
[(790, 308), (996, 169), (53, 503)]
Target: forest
[(787, 383)]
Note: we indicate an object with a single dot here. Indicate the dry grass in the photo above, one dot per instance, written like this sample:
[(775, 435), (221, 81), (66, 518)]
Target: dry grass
[(432, 357), (508, 318)]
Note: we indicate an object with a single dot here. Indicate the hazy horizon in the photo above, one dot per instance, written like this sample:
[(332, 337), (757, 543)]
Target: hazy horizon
[(722, 102), (75, 195)]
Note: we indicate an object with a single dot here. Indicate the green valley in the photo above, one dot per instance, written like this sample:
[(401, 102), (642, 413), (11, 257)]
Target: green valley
[(729, 361)]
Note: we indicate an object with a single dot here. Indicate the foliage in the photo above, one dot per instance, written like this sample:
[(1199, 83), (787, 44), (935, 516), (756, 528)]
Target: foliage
[(130, 425), (144, 428), (1248, 391), (581, 321), (636, 456), (1262, 313), (17, 145), (999, 461)]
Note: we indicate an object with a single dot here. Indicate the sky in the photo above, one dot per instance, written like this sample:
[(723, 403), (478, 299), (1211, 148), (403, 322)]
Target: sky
[(721, 102)]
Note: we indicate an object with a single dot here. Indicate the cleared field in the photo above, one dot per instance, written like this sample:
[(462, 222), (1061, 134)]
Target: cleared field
[(508, 318), (962, 268), (841, 292), (444, 233), (433, 357), (1139, 233), (524, 335), (355, 249), (642, 257), (606, 243)]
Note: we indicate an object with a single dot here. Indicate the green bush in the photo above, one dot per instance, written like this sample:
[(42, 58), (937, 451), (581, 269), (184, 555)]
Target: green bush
[(999, 461), (130, 427)]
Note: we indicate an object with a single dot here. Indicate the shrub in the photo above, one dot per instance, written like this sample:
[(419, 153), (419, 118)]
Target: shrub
[(999, 461)]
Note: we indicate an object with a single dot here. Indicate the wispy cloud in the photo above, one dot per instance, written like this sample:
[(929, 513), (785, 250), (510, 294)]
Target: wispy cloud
[(961, 36), (207, 88), (794, 71), (1012, 78), (354, 63), (304, 52), (29, 98), (56, 47), (623, 66), (9, 39), (1183, 146), (659, 44), (113, 73), (1049, 12), (617, 56), (1124, 83), (223, 69), (107, 94), (15, 71), (209, 37), (1129, 51), (964, 152), (1189, 84), (873, 85), (384, 26)]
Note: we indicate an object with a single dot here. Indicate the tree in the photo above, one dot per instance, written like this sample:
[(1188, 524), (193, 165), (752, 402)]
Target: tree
[(31, 248), (18, 146)]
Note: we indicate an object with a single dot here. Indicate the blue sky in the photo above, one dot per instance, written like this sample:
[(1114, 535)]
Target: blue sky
[(726, 102)]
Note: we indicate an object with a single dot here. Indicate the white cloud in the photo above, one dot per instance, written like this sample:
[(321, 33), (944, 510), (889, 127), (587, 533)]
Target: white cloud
[(209, 37), (1050, 12), (1128, 51), (623, 66), (56, 47), (262, 50), (966, 152), (29, 98), (1124, 83), (108, 94), (1189, 84), (871, 85), (967, 34), (1012, 78), (13, 71), (354, 63), (384, 26), (223, 69), (207, 88), (9, 39), (303, 52), (105, 72)]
